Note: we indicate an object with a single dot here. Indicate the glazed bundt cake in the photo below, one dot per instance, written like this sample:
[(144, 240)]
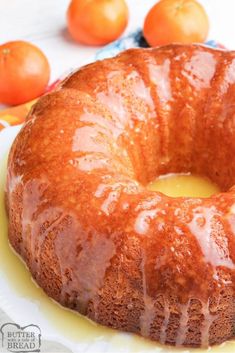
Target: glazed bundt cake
[(80, 215)]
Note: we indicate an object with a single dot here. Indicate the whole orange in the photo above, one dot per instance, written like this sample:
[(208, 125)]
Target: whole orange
[(24, 72), (181, 21), (97, 22)]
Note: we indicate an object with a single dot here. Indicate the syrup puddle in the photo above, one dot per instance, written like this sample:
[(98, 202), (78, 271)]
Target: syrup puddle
[(184, 185), (69, 324)]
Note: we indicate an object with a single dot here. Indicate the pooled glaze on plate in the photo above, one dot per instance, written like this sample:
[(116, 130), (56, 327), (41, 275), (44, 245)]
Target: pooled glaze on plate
[(184, 185)]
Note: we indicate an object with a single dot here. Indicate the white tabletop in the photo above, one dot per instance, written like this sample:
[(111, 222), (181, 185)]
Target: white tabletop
[(43, 22)]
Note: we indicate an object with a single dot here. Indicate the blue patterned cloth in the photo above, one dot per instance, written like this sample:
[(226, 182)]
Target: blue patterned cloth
[(133, 40)]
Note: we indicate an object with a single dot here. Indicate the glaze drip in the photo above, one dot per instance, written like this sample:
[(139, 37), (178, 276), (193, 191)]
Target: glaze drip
[(163, 332), (147, 316), (82, 267), (213, 244), (206, 325), (183, 324)]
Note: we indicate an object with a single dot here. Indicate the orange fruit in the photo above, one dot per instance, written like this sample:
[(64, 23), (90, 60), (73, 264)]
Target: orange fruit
[(24, 72), (181, 21), (97, 22)]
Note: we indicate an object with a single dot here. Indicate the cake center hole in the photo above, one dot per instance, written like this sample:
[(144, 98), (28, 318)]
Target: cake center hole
[(184, 185)]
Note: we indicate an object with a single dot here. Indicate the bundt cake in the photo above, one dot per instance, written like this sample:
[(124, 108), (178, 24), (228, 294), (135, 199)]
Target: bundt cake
[(80, 215)]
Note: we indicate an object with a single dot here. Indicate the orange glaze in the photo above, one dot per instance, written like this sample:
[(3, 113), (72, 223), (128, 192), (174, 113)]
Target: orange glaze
[(93, 236)]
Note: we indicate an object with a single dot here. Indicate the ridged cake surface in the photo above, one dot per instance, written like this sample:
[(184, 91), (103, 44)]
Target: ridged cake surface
[(80, 215)]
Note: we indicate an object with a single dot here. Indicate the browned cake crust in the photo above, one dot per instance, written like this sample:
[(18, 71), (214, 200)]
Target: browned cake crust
[(94, 238)]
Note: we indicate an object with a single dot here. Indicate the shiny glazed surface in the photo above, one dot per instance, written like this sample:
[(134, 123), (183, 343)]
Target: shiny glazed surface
[(80, 214)]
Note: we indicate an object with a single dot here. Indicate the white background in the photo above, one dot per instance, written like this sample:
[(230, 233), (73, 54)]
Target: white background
[(43, 22)]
